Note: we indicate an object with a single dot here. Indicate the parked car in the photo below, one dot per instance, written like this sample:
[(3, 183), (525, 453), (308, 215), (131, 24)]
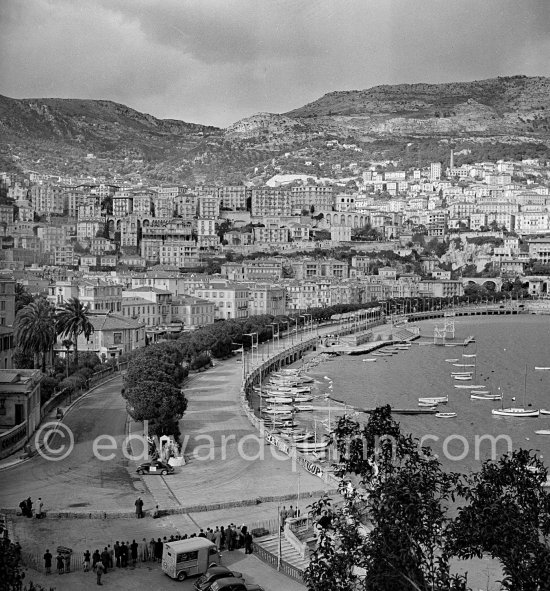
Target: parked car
[(233, 584), (213, 574), (155, 467)]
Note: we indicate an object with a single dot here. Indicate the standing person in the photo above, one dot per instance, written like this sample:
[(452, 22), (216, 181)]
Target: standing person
[(67, 563), (152, 549), (134, 552), (158, 550), (99, 571), (144, 551), (29, 507), (139, 508), (123, 555), (105, 558), (96, 557), (218, 538), (59, 563), (248, 543), (117, 554), (222, 540), (230, 538), (39, 510), (48, 562), (87, 557), (111, 556)]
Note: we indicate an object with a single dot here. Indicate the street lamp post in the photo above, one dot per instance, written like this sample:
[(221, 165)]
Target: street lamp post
[(275, 335), (253, 345)]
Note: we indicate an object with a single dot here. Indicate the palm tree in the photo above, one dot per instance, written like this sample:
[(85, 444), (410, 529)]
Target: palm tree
[(35, 330), (72, 321)]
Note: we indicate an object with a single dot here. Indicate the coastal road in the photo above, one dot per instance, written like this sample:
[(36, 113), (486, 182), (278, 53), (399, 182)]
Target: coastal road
[(81, 482)]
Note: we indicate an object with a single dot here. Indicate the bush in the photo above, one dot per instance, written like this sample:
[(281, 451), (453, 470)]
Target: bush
[(47, 389), (201, 360)]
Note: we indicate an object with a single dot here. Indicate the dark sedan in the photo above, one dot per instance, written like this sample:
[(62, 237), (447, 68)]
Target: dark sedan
[(155, 467), (214, 573)]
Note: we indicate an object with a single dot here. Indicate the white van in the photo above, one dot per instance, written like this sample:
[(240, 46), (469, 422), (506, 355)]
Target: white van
[(189, 557)]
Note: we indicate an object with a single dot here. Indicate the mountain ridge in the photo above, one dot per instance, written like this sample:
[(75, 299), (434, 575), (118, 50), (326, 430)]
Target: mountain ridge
[(51, 131)]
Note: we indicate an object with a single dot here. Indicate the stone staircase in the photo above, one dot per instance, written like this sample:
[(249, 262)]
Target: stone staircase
[(288, 553)]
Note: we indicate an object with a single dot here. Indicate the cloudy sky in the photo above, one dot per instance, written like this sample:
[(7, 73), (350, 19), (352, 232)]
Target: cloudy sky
[(216, 61)]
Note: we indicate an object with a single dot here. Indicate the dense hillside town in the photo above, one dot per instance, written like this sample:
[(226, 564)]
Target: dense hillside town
[(173, 258)]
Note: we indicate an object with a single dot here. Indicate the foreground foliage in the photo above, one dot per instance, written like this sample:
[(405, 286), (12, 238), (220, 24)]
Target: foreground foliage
[(394, 529)]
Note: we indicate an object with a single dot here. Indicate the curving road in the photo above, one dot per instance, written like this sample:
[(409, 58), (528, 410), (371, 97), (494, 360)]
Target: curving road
[(81, 482)]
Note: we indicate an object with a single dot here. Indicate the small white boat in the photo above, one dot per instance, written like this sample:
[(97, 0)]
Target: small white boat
[(486, 397), (542, 368), (461, 373), (469, 386), (304, 407), (544, 411), (311, 446), (451, 360), (484, 392), (472, 355), (280, 410), (369, 359), (426, 404), (463, 378), (435, 400), (445, 415), (515, 412), (543, 432), (464, 364)]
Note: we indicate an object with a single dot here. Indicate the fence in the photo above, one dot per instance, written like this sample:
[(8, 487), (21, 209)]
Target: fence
[(288, 569)]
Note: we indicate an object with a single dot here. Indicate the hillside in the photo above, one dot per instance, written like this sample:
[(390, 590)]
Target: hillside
[(514, 105), (412, 123)]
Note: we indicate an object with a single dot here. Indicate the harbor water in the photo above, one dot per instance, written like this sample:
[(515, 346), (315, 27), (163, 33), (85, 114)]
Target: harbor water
[(506, 350)]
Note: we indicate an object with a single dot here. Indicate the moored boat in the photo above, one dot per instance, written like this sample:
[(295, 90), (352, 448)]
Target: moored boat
[(515, 412), (311, 446), (544, 411), (543, 432), (486, 396), (463, 378), (445, 415), (435, 399)]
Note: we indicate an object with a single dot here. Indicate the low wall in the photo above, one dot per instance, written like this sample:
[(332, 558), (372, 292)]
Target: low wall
[(290, 355)]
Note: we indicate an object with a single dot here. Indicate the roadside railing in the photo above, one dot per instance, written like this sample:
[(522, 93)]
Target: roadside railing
[(273, 560)]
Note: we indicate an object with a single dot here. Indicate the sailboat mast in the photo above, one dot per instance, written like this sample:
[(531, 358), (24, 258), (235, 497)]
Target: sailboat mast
[(525, 386)]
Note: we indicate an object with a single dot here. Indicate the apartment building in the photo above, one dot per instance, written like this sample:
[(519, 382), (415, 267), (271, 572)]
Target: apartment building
[(113, 336), (440, 288), (539, 249), (230, 299), (307, 196), (532, 223), (64, 256), (7, 302), (160, 299), (208, 206), (48, 199), (312, 268), (98, 295), (232, 197), (269, 201), (254, 270), (192, 312), (179, 254), (305, 294), (271, 234), (267, 298)]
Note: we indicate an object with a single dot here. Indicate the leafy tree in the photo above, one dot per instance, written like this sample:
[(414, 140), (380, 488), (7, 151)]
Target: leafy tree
[(22, 297), (507, 515), (35, 330), (73, 320), (160, 403), (391, 530)]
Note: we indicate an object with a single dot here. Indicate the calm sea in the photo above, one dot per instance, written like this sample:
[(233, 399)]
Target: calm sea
[(507, 350)]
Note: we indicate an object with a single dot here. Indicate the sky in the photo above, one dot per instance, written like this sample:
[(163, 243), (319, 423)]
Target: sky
[(217, 61)]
